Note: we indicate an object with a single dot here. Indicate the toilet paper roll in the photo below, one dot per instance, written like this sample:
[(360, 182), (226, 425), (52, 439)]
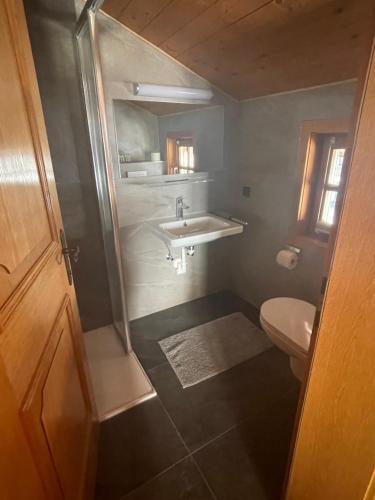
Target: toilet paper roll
[(287, 259)]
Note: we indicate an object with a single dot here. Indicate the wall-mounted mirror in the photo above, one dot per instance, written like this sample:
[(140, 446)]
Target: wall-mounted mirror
[(167, 138)]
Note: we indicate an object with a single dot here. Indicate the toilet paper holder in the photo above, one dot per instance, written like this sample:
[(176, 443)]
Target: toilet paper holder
[(294, 249)]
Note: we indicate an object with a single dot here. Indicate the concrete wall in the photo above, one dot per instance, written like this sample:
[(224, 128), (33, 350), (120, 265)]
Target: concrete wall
[(260, 144), (126, 57), (137, 131), (51, 26), (151, 281), (268, 146), (259, 149)]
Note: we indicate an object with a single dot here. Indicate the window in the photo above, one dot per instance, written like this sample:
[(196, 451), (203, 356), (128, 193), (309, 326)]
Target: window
[(329, 174), (180, 154), (323, 146), (185, 155)]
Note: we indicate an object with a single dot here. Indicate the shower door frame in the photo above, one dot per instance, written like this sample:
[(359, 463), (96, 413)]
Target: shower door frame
[(87, 20)]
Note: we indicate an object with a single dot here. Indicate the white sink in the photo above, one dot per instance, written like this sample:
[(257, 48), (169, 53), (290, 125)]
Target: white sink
[(195, 230)]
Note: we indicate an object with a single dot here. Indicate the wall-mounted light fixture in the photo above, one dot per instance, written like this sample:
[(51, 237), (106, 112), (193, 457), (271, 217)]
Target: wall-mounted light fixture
[(172, 92)]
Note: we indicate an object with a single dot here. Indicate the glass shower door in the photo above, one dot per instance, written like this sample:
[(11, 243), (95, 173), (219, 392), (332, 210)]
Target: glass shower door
[(102, 164)]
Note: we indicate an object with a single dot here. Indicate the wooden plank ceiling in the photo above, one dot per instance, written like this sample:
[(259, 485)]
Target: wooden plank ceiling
[(251, 48)]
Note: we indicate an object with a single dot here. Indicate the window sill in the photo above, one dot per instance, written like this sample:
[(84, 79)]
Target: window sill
[(305, 240)]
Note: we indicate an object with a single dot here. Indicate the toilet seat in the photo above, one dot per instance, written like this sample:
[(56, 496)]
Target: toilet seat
[(282, 341), (291, 320)]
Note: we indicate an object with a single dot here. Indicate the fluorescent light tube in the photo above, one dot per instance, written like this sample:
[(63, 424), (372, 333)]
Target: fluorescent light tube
[(168, 91)]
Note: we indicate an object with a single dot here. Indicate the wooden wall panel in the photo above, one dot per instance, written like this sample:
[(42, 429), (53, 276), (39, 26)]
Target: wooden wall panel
[(178, 14), (274, 50), (56, 411), (114, 8), (23, 339), (251, 48), (26, 226), (16, 460), (65, 413), (334, 456), (219, 16), (33, 287), (138, 15)]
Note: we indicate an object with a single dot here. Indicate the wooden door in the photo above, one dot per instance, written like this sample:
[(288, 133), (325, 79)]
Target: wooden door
[(46, 421), (334, 454)]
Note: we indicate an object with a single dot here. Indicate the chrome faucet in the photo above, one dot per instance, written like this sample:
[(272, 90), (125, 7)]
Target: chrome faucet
[(180, 207)]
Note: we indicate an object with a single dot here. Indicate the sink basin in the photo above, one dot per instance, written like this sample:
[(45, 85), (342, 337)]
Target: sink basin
[(195, 230)]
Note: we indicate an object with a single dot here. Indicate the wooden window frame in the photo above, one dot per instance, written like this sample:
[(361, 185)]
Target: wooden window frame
[(172, 150), (311, 177), (317, 228)]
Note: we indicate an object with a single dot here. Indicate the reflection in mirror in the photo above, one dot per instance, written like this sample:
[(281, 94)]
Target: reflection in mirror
[(167, 138)]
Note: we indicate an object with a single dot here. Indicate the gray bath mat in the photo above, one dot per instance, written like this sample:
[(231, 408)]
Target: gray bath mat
[(206, 350)]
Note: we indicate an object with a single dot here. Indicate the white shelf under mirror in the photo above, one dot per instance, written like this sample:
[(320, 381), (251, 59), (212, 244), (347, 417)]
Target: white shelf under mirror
[(166, 180)]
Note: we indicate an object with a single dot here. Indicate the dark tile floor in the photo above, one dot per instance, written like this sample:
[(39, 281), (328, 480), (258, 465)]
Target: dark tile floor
[(226, 438)]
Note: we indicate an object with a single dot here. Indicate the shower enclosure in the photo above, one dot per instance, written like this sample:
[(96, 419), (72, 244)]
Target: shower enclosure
[(91, 75)]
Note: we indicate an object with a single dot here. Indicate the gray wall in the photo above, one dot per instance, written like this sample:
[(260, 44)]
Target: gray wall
[(128, 58), (51, 26), (137, 131), (260, 143), (268, 145), (151, 281)]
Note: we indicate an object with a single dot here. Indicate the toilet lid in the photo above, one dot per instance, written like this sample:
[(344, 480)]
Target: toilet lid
[(293, 318)]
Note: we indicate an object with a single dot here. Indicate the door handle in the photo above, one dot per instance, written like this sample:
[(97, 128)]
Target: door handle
[(72, 253), (68, 253)]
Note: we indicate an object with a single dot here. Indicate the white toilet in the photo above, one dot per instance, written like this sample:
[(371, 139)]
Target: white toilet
[(288, 323)]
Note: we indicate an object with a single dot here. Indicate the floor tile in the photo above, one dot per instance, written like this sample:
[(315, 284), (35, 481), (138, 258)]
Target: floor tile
[(204, 411), (147, 331), (134, 447), (238, 435), (182, 482), (249, 461)]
